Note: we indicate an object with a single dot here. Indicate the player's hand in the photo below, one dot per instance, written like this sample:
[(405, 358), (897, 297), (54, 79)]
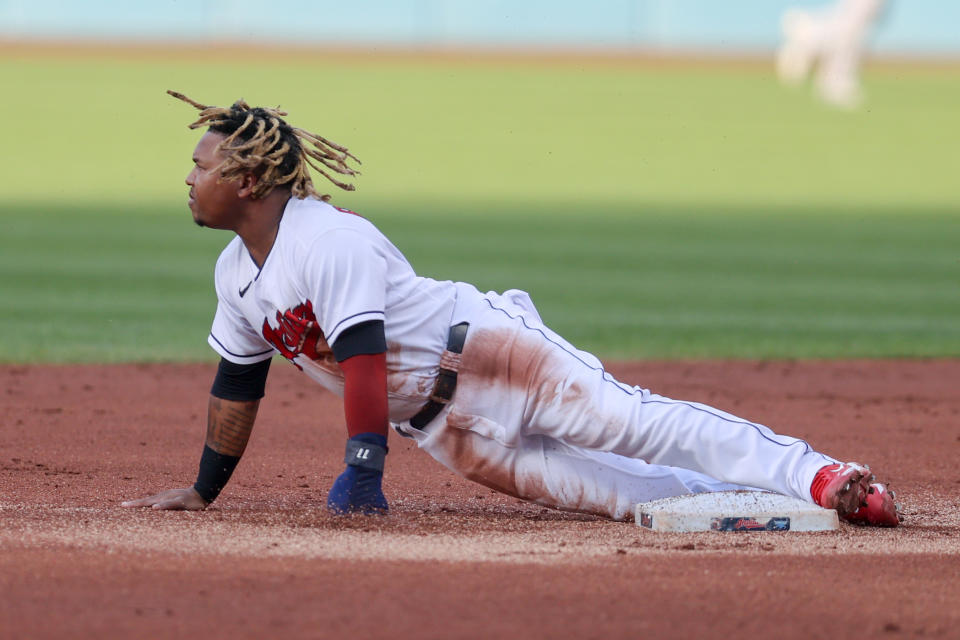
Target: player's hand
[(358, 489), (175, 499)]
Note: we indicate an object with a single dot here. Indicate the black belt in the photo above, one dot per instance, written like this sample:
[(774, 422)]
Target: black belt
[(446, 378)]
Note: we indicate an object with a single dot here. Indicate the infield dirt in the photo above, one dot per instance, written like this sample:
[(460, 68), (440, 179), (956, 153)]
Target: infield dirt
[(453, 559)]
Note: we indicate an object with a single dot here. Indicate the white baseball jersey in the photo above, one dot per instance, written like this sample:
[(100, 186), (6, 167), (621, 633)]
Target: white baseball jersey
[(332, 269)]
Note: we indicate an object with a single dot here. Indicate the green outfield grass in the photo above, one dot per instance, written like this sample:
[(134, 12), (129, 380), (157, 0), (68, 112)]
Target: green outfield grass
[(654, 212), (655, 282)]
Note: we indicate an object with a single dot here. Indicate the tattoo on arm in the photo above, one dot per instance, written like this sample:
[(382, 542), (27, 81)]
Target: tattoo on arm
[(229, 424)]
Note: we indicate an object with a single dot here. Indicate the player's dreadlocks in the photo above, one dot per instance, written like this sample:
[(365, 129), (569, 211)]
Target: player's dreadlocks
[(260, 141)]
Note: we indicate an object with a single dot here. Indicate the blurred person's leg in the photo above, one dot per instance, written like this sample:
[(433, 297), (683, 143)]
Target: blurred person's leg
[(832, 41), (838, 76), (804, 35)]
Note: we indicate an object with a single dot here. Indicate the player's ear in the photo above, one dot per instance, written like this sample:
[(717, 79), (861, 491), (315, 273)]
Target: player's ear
[(246, 185)]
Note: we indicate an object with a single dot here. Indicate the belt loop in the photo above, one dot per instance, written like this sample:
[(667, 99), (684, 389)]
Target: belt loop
[(457, 337)]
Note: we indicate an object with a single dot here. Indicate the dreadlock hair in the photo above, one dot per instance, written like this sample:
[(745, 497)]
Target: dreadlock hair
[(260, 141)]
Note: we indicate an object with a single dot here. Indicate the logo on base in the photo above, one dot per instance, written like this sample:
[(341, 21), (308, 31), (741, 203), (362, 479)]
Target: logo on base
[(746, 523)]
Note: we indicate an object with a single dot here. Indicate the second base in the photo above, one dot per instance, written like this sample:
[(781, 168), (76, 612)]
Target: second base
[(735, 511)]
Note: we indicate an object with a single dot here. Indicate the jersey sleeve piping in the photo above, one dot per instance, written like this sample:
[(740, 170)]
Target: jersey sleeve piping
[(349, 321), (238, 358)]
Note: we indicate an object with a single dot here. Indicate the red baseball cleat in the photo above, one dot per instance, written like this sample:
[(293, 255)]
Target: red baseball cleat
[(880, 510), (847, 488)]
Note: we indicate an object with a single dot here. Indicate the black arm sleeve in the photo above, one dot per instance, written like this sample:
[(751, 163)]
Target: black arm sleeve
[(240, 382), (366, 338), (215, 471)]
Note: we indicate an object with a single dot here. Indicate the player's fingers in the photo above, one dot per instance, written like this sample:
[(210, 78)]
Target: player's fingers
[(168, 505), (174, 499), (178, 503), (149, 501), (169, 502)]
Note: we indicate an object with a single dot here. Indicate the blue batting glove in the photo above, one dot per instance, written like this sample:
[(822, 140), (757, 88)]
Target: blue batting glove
[(357, 490)]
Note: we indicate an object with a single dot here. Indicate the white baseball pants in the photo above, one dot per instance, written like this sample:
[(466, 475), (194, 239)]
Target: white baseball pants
[(536, 418)]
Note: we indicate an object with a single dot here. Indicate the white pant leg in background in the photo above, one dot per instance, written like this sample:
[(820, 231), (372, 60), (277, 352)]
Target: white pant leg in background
[(534, 417)]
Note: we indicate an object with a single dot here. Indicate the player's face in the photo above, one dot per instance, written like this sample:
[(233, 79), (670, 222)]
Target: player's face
[(212, 200)]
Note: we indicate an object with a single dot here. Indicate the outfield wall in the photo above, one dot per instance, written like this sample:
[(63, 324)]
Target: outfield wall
[(909, 27)]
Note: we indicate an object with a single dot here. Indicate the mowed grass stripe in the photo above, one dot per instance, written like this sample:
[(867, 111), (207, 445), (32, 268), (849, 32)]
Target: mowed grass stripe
[(113, 286), (523, 132)]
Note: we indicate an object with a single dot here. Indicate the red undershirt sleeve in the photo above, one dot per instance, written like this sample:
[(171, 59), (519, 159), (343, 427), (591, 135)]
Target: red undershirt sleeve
[(365, 394)]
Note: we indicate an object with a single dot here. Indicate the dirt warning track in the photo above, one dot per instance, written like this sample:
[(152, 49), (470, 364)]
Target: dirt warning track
[(453, 560)]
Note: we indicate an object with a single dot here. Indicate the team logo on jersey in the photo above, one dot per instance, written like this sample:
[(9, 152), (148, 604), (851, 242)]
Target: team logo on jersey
[(297, 333)]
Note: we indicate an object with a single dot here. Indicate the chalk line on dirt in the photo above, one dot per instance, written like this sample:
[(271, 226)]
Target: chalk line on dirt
[(121, 531)]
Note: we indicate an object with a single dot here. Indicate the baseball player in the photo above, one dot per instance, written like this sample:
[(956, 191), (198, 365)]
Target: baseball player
[(830, 40), (475, 378)]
